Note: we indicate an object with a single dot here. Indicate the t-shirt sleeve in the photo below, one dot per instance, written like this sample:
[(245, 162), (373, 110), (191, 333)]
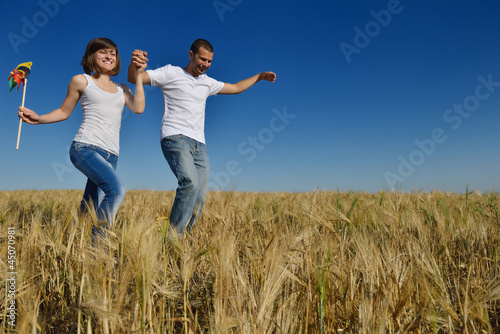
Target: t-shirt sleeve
[(215, 86), (159, 75)]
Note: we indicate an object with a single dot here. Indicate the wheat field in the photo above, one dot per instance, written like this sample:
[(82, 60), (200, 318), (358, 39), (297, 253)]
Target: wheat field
[(312, 262)]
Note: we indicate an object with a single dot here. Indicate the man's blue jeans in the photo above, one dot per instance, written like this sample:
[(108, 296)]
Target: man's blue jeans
[(104, 190), (188, 160)]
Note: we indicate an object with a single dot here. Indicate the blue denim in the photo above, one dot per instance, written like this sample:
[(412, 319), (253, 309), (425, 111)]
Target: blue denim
[(188, 160), (104, 191)]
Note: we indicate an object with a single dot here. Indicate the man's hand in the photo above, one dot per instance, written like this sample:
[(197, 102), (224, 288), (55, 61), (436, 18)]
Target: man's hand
[(268, 76), (137, 67), (139, 59)]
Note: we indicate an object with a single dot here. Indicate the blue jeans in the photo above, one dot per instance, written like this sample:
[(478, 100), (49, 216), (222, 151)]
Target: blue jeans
[(188, 160), (104, 191)]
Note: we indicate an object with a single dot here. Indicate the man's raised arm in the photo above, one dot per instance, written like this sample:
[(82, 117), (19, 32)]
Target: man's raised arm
[(243, 85)]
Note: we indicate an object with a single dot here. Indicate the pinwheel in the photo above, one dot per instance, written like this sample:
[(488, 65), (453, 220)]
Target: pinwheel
[(18, 75)]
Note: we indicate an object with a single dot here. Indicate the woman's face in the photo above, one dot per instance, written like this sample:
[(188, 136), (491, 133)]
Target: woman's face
[(106, 59)]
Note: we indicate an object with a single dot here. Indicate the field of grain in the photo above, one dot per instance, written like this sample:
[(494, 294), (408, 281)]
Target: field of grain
[(316, 262)]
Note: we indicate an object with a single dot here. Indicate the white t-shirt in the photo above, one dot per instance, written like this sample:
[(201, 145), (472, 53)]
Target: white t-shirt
[(184, 97), (102, 116)]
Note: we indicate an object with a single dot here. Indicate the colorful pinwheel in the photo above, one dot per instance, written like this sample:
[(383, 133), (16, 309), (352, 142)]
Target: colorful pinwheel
[(20, 74)]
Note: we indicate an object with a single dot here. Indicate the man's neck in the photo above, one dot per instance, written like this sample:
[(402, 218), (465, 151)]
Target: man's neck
[(190, 71)]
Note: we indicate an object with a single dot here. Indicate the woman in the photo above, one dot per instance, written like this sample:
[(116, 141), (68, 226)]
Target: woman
[(95, 148)]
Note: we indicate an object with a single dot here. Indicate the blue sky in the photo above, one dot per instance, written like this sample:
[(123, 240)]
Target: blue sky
[(369, 96)]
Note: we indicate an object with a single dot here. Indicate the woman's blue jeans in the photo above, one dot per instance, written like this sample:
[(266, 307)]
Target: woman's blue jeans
[(188, 160), (104, 191)]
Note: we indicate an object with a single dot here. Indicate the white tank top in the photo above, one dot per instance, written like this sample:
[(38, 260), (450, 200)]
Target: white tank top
[(102, 115)]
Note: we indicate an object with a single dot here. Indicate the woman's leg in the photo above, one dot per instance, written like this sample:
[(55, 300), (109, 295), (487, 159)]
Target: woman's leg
[(99, 166)]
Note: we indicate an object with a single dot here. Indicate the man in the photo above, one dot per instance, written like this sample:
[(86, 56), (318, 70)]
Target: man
[(185, 91)]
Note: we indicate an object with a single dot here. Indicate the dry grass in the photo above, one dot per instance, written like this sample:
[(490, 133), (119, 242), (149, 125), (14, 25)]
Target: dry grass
[(319, 262)]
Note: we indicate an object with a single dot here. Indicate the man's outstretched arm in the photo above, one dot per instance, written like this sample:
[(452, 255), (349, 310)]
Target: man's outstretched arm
[(243, 85)]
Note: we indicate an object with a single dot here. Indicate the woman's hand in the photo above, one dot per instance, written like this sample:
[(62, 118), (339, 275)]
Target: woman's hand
[(29, 116)]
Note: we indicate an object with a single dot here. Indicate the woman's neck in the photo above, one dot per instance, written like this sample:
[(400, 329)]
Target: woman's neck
[(105, 78)]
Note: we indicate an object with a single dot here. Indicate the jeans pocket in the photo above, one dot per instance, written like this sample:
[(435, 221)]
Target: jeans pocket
[(81, 152), (174, 142), (172, 138), (77, 146)]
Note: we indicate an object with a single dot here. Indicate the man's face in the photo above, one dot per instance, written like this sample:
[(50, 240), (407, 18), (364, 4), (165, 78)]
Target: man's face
[(201, 61)]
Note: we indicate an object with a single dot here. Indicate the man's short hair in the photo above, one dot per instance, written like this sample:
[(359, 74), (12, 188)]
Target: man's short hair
[(201, 43)]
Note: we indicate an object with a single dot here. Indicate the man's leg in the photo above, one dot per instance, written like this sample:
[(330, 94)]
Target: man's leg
[(202, 168), (178, 151)]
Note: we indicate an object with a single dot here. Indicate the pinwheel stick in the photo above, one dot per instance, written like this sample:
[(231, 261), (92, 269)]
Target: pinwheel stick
[(20, 119)]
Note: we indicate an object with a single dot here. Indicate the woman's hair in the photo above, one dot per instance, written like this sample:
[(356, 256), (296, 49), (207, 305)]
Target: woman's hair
[(89, 60)]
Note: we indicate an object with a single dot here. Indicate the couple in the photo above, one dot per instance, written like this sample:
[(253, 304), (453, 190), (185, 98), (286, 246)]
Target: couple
[(95, 148)]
